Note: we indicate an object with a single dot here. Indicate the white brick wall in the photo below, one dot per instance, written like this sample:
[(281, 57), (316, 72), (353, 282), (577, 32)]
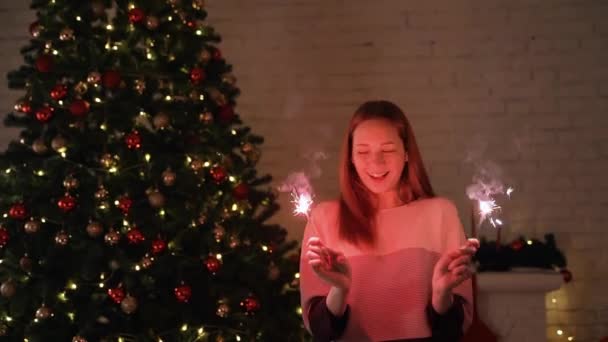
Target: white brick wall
[(524, 81)]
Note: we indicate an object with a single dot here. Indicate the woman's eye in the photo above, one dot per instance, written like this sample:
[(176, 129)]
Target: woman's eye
[(362, 152)]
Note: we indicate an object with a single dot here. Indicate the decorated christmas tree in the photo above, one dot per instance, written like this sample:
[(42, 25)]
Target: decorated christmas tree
[(132, 208)]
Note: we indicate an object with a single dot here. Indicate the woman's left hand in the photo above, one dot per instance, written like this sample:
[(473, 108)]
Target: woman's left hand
[(453, 268)]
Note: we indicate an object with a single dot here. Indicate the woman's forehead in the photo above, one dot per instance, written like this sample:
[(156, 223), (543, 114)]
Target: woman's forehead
[(375, 131)]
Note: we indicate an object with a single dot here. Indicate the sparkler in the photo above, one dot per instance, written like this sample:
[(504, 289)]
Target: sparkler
[(302, 202), (301, 193)]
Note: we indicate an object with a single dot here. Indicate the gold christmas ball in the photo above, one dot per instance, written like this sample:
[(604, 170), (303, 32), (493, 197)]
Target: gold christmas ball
[(228, 162), (3, 329), (156, 199), (25, 263), (140, 85), (146, 261), (58, 143), (104, 205), (161, 120), (218, 233), (98, 8), (94, 229), (114, 265), (254, 155), (234, 241), (229, 79), (197, 165), (200, 25), (196, 96), (66, 34), (94, 78), (107, 160), (198, 4), (44, 312), (202, 219), (273, 272), (101, 193), (62, 238), (32, 226), (112, 238), (247, 147), (223, 310), (39, 146), (81, 88), (206, 117), (169, 177), (8, 288), (204, 56), (152, 22), (218, 97), (71, 183), (129, 305)]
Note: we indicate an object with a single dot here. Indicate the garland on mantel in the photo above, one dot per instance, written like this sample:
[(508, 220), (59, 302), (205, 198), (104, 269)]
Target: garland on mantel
[(521, 253)]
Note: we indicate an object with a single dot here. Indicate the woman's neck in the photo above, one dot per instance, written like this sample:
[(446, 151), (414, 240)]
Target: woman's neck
[(388, 200)]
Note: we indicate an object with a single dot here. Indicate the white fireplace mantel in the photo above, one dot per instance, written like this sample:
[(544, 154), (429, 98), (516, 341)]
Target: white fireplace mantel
[(512, 304)]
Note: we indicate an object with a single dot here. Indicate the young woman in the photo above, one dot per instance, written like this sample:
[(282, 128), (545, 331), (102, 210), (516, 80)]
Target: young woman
[(389, 260)]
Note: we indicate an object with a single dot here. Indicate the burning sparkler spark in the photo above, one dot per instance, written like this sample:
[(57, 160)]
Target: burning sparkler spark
[(302, 202)]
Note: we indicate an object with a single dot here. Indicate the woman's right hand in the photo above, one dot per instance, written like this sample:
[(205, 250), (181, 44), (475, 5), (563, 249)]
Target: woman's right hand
[(329, 265)]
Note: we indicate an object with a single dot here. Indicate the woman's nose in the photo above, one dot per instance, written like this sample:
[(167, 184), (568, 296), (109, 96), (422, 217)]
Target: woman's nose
[(378, 158)]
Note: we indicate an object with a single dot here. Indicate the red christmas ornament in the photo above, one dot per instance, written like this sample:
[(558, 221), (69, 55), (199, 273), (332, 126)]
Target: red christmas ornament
[(79, 107), (44, 114), (136, 15), (44, 63), (183, 293), (35, 29), (111, 79), (158, 246), (17, 211), (226, 114), (517, 245), (66, 203), (59, 92), (217, 54), (241, 191), (212, 264), (135, 236), (117, 294), (4, 237), (197, 75), (133, 140), (218, 173), (251, 304), (567, 275), (24, 107), (124, 204)]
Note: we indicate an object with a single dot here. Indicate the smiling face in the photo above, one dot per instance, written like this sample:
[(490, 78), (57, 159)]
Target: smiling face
[(378, 155)]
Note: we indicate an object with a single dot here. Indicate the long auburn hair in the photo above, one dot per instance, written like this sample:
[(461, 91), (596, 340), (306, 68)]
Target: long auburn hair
[(357, 210)]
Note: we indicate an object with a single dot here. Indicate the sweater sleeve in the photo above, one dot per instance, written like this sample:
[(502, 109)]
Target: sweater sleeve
[(323, 324), (447, 326), (318, 320)]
